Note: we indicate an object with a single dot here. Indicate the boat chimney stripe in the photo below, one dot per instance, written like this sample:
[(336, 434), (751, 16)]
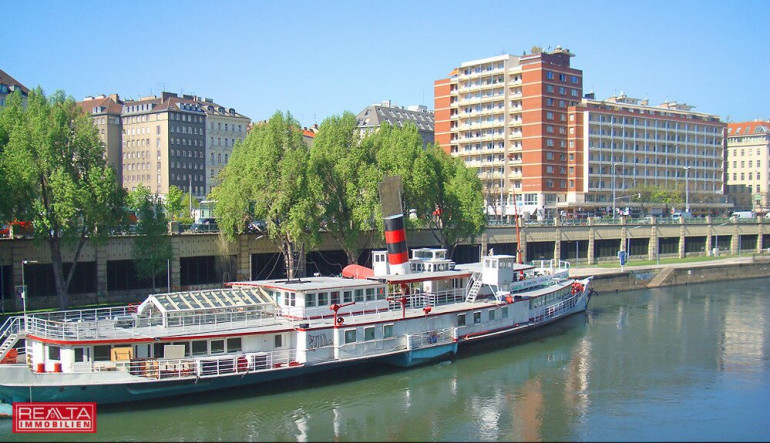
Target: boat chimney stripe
[(398, 258), (395, 236)]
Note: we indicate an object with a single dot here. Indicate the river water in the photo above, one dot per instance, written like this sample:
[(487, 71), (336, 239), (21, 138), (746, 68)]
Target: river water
[(685, 363)]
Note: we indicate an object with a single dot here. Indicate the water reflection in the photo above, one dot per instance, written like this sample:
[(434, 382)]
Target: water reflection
[(676, 363)]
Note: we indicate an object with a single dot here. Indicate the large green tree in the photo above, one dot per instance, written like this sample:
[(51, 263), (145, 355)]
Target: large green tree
[(174, 202), (345, 176), (453, 204), (152, 244), (53, 160), (267, 179)]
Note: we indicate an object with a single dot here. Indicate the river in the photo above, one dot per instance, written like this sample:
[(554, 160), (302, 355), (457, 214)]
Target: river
[(684, 363)]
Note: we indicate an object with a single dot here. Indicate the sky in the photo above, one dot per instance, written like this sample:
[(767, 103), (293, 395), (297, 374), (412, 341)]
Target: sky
[(321, 58)]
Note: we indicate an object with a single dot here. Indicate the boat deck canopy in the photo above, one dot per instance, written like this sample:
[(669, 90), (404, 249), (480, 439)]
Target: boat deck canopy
[(221, 300)]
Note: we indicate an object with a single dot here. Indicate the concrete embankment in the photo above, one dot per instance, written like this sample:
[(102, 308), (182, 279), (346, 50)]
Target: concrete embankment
[(680, 274)]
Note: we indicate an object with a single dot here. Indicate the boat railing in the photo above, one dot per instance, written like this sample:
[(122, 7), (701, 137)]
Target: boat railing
[(550, 265), (423, 299), (430, 338), (208, 366), (117, 323), (370, 347)]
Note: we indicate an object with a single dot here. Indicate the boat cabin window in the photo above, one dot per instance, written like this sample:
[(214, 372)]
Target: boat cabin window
[(310, 300), (477, 317), (350, 336), (54, 353), (381, 293), (289, 298), (335, 297), (369, 333), (323, 299), (234, 344), (359, 295), (491, 314), (102, 353), (460, 319), (278, 341), (82, 355), (369, 294), (157, 350), (505, 312), (347, 296), (387, 331), (217, 346), (200, 347)]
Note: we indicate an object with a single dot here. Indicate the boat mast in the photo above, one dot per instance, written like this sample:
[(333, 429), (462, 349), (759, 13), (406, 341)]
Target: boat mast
[(518, 235)]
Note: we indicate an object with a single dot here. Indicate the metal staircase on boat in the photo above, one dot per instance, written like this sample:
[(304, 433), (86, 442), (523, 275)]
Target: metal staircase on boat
[(11, 331), (474, 290)]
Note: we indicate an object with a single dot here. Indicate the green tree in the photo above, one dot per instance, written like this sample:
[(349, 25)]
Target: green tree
[(344, 175), (453, 201), (174, 201), (267, 179), (54, 160), (152, 244), (396, 150)]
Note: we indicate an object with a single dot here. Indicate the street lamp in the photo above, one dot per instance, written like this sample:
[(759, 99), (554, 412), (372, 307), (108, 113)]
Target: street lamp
[(24, 290), (686, 190), (614, 165)]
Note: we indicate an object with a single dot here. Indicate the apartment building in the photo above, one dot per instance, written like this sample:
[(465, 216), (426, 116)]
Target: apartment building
[(164, 144), (748, 165), (8, 85), (224, 128), (374, 116), (105, 111), (621, 145), (507, 117)]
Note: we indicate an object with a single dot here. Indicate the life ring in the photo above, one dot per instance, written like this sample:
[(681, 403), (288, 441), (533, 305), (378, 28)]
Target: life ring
[(242, 363), (340, 320)]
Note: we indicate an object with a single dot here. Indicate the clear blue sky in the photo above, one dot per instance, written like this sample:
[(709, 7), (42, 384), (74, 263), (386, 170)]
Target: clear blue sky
[(321, 58)]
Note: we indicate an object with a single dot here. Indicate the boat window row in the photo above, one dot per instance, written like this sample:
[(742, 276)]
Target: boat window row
[(462, 319), (550, 298), (349, 296), (191, 348), (351, 335)]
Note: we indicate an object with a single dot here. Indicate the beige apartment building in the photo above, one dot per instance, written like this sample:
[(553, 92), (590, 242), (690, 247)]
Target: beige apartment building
[(621, 145), (224, 128), (164, 144), (105, 111), (748, 165), (8, 85)]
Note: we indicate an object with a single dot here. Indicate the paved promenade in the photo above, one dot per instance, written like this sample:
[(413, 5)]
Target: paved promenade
[(583, 271)]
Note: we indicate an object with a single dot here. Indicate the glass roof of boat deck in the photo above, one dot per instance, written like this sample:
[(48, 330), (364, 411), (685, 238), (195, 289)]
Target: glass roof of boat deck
[(309, 284), (204, 300)]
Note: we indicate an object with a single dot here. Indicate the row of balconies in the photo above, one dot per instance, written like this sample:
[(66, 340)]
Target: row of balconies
[(637, 126)]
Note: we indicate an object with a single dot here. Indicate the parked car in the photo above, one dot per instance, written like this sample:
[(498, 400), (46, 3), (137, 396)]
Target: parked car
[(205, 224), (647, 219), (742, 215), (677, 215)]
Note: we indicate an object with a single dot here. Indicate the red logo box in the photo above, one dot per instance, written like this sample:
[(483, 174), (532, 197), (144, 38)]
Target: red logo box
[(54, 417)]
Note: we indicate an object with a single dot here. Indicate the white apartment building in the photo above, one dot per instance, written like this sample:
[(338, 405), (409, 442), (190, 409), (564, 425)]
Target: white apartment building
[(224, 128), (748, 165), (620, 145)]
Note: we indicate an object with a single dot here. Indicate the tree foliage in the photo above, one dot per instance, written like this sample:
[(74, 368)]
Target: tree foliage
[(345, 176), (267, 179), (152, 244), (174, 201), (53, 163)]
